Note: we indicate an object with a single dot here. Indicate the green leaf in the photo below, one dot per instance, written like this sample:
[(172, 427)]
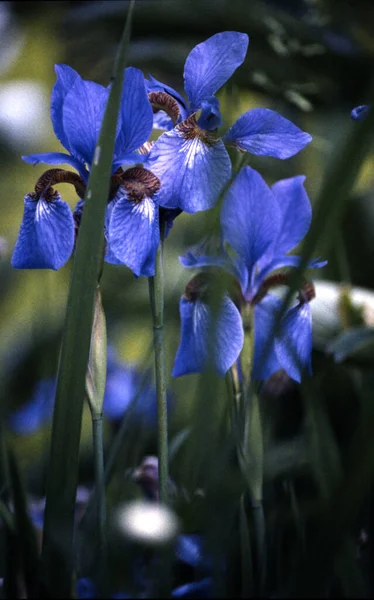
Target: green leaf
[(67, 418), (25, 539)]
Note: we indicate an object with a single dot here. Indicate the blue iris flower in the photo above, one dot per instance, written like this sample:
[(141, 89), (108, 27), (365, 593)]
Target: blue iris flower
[(262, 226), (47, 234), (360, 112), (191, 162)]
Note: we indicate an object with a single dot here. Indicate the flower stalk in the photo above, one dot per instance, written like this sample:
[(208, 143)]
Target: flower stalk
[(156, 297)]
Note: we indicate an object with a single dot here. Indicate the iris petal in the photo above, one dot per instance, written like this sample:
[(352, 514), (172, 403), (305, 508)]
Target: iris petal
[(192, 173), (250, 217), (210, 117), (296, 212), (57, 158), (193, 352), (82, 114), (294, 343), (136, 117), (66, 78), (46, 236), (211, 63), (262, 131), (134, 234), (265, 358)]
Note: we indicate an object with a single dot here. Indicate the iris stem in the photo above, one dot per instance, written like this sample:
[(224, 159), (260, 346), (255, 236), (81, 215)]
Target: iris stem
[(156, 298), (250, 457), (98, 448)]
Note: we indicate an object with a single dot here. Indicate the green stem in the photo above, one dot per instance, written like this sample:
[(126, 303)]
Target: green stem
[(98, 448), (156, 297)]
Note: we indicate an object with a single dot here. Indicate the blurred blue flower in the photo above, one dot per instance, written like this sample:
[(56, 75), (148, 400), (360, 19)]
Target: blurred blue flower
[(360, 112), (261, 225), (128, 389), (190, 160), (37, 411)]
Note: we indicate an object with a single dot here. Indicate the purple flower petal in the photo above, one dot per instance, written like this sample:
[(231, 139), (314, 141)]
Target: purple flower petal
[(264, 132), (57, 158), (211, 63), (77, 113), (193, 352), (192, 172), (46, 236), (265, 358), (134, 234), (250, 217), (296, 212), (294, 343), (136, 116)]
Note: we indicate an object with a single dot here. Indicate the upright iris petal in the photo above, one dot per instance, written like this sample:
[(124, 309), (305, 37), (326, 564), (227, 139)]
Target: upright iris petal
[(134, 233), (46, 236), (250, 217), (135, 120), (211, 63)]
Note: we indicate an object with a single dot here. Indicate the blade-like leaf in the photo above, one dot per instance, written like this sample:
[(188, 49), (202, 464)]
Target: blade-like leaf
[(63, 470)]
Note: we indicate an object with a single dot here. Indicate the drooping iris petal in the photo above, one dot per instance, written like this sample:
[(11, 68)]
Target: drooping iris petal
[(136, 116), (210, 64), (197, 589), (82, 114), (262, 131), (250, 217), (37, 411), (296, 212), (57, 158), (109, 255), (192, 173), (210, 117), (360, 112), (134, 234), (265, 358), (46, 236), (294, 342), (66, 78), (193, 352)]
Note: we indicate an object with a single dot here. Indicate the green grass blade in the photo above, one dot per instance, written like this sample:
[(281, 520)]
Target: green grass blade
[(25, 533), (63, 471)]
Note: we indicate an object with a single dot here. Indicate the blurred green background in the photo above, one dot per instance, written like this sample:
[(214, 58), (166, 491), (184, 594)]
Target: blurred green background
[(311, 60)]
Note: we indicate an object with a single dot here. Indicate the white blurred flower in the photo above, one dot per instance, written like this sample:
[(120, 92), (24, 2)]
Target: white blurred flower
[(24, 113), (147, 522)]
